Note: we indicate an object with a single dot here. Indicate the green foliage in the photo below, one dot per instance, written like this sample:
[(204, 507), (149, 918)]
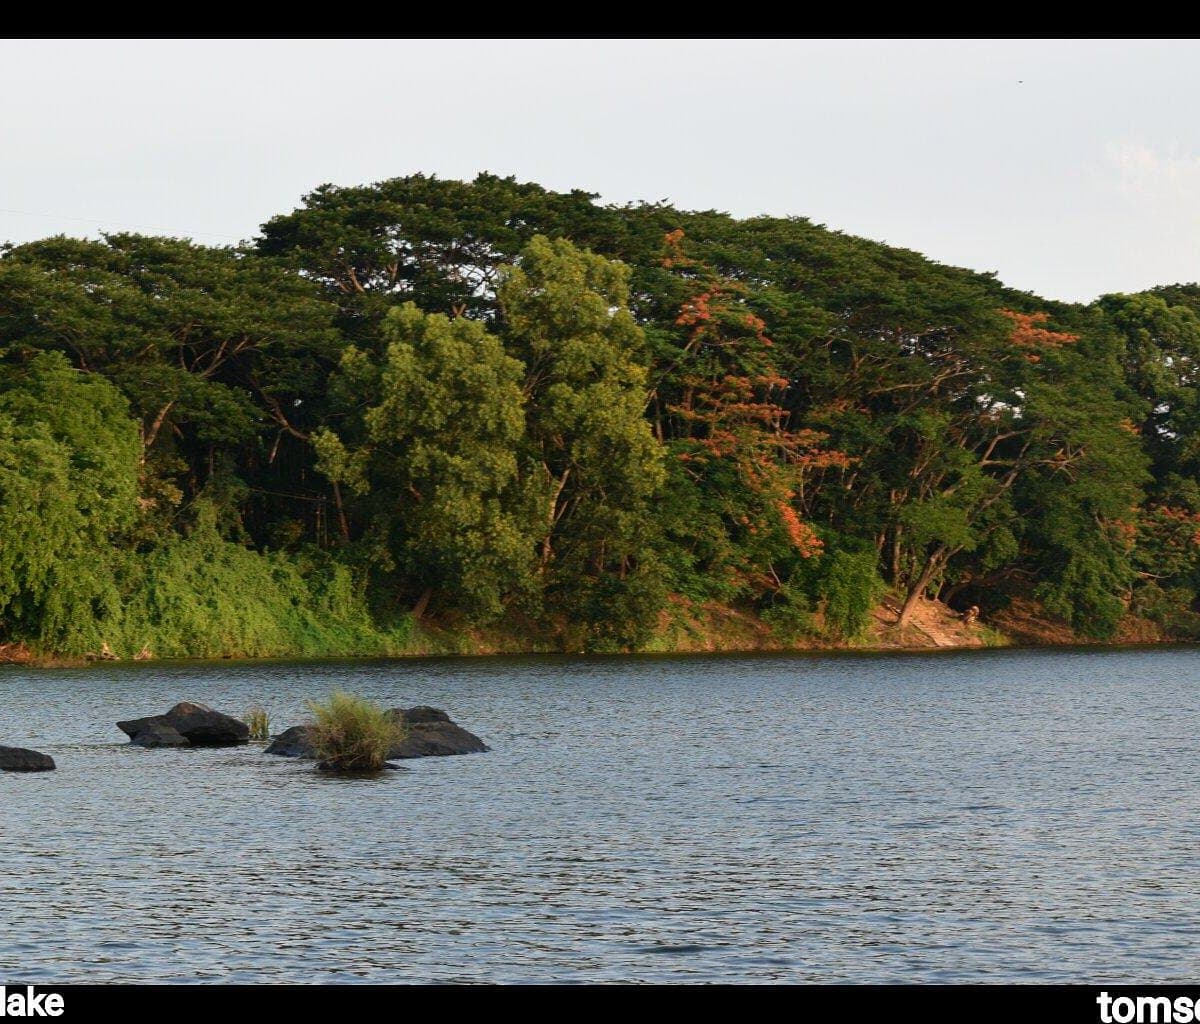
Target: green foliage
[(486, 403), (201, 596), (439, 451), (992, 637), (68, 492), (438, 243), (221, 356), (1172, 608), (612, 612), (790, 615), (1086, 594), (851, 588), (587, 442), (353, 734)]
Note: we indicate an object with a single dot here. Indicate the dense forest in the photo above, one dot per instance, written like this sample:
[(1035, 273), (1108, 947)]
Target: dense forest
[(427, 404)]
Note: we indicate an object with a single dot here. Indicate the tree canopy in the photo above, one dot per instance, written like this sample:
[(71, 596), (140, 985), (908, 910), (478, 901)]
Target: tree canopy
[(484, 402)]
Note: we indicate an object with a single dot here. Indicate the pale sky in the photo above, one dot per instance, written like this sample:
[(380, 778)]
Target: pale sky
[(1070, 168)]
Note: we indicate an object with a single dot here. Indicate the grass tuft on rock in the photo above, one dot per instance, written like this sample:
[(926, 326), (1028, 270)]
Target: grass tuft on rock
[(259, 721), (352, 734)]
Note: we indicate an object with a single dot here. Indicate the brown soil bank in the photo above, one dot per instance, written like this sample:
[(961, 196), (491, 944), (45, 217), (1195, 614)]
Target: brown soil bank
[(15, 654), (1024, 621), (689, 627)]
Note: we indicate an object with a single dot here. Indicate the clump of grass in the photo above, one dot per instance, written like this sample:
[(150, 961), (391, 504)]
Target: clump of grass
[(993, 637), (353, 734), (259, 721)]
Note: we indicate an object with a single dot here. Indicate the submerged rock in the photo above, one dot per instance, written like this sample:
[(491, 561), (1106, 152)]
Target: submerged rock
[(430, 733), (293, 742), (156, 734), (200, 726), (18, 759)]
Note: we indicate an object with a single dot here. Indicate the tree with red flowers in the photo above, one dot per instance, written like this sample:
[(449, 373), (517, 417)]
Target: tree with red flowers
[(730, 429)]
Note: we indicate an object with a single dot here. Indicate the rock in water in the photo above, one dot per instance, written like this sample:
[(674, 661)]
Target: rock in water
[(293, 742), (422, 714), (18, 759), (199, 725), (431, 733), (158, 735)]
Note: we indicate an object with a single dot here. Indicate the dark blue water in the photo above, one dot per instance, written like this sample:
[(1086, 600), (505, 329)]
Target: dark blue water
[(984, 816)]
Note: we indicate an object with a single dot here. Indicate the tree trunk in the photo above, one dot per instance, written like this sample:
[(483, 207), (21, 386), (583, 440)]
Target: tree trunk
[(917, 589), (343, 525), (552, 518), (418, 609), (896, 553), (151, 435)]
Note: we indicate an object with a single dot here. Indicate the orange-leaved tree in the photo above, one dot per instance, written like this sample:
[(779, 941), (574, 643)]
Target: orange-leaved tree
[(728, 426)]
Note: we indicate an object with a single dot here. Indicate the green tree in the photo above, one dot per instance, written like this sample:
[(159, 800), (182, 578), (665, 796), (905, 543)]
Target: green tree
[(566, 317), (68, 492), (221, 355), (441, 244), (437, 450)]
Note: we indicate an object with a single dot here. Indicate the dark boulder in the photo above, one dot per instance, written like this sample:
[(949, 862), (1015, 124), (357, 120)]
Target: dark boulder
[(156, 734), (420, 715), (18, 759), (201, 726), (293, 742), (429, 732)]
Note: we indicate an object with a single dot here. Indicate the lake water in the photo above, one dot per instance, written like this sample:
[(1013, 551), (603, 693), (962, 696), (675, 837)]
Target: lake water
[(982, 816)]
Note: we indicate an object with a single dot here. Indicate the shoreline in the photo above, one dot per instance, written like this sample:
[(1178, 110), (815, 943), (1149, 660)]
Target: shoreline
[(51, 662), (686, 629)]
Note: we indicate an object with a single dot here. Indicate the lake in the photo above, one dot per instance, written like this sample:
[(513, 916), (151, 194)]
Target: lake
[(1006, 815)]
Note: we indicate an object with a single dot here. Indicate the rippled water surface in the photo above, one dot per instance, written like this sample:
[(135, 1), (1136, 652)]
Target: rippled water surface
[(984, 816)]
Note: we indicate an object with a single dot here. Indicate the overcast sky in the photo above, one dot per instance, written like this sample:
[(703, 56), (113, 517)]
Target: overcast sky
[(1070, 168)]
